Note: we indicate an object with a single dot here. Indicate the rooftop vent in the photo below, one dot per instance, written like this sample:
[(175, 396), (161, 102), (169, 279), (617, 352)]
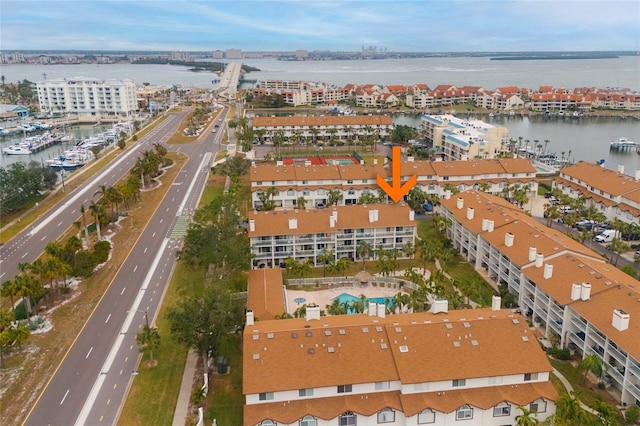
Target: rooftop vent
[(575, 291), (404, 349), (508, 239), (470, 213), (459, 203), (620, 320)]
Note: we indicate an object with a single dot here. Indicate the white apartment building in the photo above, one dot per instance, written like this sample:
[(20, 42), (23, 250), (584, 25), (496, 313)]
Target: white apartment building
[(314, 182), (445, 368), (324, 127), (462, 139), (88, 96), (563, 287), (613, 193), (303, 235)]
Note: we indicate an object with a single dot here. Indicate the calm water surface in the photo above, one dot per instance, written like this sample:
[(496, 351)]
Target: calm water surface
[(588, 138)]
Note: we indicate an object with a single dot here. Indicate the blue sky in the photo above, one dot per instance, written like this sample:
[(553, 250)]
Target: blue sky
[(399, 25)]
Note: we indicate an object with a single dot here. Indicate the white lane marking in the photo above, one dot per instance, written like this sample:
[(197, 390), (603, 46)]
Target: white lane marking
[(135, 269), (145, 249), (64, 397), (88, 353), (60, 223), (2, 275), (43, 238), (161, 220), (122, 292), (25, 255), (108, 318), (154, 234), (95, 390)]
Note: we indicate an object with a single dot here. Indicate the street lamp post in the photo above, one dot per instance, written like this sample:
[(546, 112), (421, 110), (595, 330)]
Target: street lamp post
[(146, 315)]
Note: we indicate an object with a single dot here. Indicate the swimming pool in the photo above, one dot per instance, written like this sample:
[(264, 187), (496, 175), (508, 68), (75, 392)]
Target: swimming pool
[(346, 297)]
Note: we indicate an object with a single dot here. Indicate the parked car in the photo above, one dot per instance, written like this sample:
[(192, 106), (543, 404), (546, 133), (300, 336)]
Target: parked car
[(554, 200), (607, 236), (585, 224), (566, 209), (548, 195)]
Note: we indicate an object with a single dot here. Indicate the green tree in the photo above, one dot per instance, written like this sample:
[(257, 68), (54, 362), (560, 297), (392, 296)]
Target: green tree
[(148, 341), (592, 363), (363, 250), (526, 418), (301, 203), (568, 408), (334, 197), (618, 246), (201, 319)]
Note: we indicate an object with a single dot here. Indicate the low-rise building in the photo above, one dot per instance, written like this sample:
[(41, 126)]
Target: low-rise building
[(304, 235), (314, 128), (565, 289), (405, 369), (612, 193), (315, 182)]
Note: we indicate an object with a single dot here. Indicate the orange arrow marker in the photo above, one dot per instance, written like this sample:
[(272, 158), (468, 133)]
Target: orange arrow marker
[(396, 190)]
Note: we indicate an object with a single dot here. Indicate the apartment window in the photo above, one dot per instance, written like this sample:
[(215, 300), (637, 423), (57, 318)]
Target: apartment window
[(426, 416), (308, 421), (291, 192), (266, 396), (267, 423), (495, 380), (459, 383), (320, 192), (351, 192), (350, 182), (306, 192), (538, 406), (502, 409), (386, 415), (365, 181), (348, 419), (464, 413), (258, 183), (305, 182), (305, 392), (530, 376), (382, 385), (344, 388)]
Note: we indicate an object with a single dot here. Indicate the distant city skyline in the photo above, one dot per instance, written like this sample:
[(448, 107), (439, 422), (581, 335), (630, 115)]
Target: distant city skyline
[(250, 25)]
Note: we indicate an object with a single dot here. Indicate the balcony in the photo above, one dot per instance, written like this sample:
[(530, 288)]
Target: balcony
[(262, 255)]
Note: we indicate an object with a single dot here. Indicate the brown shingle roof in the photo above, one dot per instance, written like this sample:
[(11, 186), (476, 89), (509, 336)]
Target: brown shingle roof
[(323, 120), (288, 362), (317, 220), (484, 398), (265, 294), (602, 178)]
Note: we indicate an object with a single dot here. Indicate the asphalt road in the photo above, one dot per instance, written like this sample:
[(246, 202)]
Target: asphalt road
[(29, 244), (91, 384)]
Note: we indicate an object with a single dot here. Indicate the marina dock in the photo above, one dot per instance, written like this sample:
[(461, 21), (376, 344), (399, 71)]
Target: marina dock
[(623, 144)]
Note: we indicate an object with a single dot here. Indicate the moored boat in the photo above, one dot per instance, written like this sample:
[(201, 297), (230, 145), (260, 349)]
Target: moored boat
[(16, 150)]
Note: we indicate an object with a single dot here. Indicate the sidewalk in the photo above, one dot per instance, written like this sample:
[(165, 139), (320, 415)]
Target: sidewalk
[(184, 398), (569, 388)]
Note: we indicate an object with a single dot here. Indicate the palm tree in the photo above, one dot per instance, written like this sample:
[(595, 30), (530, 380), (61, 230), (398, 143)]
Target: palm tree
[(9, 289), (363, 250), (551, 212), (568, 408), (334, 197), (593, 363), (84, 223), (27, 287), (148, 341), (96, 212), (301, 203), (617, 245), (325, 257), (527, 418)]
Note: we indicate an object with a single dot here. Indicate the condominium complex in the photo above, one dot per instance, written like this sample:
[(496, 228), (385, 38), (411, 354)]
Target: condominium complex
[(407, 369), (463, 139), (613, 193), (88, 96), (314, 182), (323, 128), (304, 235), (564, 288)]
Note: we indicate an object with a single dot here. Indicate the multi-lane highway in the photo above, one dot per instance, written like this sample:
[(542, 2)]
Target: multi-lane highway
[(229, 80), (29, 244), (90, 385)]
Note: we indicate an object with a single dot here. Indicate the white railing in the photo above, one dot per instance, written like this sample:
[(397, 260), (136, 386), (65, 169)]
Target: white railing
[(347, 281)]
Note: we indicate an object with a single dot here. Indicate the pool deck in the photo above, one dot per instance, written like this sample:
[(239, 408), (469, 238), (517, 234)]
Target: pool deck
[(324, 297)]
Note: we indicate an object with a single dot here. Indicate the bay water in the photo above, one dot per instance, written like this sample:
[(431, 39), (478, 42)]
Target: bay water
[(586, 139)]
